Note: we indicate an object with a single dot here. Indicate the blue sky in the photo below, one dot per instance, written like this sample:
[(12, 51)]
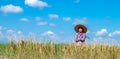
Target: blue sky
[(56, 19)]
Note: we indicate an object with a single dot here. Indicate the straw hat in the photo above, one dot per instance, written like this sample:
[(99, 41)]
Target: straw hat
[(76, 28)]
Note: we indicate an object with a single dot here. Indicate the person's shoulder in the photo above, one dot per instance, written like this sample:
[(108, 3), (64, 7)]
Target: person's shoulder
[(77, 33), (84, 33)]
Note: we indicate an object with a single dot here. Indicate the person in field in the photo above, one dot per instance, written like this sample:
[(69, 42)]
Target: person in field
[(80, 34)]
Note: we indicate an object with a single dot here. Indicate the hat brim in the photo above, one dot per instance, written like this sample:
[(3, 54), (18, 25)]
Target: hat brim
[(76, 28)]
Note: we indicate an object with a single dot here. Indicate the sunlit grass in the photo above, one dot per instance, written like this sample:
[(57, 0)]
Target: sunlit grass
[(49, 50)]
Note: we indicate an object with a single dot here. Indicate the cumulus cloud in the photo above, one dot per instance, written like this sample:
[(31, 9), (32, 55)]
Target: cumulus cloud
[(66, 18), (11, 34), (49, 36), (77, 1), (24, 20), (1, 35), (37, 18), (11, 9), (31, 35), (107, 41), (114, 33), (80, 21), (53, 16), (48, 33), (88, 32), (42, 23), (52, 24), (36, 3), (62, 32), (102, 32), (0, 27), (10, 31), (19, 32)]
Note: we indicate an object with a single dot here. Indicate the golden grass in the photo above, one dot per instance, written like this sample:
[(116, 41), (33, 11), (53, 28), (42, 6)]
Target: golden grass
[(34, 50)]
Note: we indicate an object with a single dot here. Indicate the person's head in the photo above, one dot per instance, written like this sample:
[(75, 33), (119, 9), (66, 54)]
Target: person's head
[(80, 29)]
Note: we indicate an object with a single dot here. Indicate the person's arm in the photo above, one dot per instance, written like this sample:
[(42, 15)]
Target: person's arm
[(76, 36), (83, 36), (77, 39)]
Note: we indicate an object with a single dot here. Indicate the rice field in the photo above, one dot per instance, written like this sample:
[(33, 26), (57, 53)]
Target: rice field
[(49, 50)]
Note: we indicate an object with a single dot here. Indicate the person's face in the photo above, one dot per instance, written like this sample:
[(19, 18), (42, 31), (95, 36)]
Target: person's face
[(80, 30)]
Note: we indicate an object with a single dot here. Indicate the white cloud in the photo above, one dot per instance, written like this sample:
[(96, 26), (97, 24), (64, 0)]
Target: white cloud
[(0, 27), (19, 32), (88, 32), (20, 35), (49, 36), (37, 18), (36, 3), (42, 23), (77, 1), (62, 32), (67, 18), (102, 32), (53, 16), (114, 33), (1, 35), (32, 35), (52, 24), (80, 21), (11, 9), (66, 39), (48, 33), (10, 31), (107, 41), (24, 19), (11, 34)]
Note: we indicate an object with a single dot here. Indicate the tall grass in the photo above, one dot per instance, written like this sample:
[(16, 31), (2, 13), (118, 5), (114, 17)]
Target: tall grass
[(49, 50)]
